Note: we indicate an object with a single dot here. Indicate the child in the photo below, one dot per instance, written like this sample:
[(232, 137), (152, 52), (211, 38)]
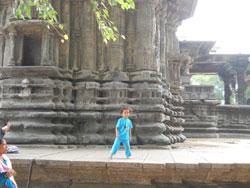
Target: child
[(4, 130), (123, 133), (11, 148)]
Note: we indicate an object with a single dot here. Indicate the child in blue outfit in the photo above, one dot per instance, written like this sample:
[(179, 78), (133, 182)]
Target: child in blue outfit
[(123, 133)]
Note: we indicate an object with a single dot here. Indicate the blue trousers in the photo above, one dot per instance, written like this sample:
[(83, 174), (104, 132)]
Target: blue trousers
[(117, 144)]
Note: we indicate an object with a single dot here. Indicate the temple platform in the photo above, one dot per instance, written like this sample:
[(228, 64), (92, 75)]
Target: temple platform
[(197, 163)]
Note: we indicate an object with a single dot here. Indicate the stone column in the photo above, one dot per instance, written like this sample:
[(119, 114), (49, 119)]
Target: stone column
[(227, 91), (2, 45), (88, 38), (45, 49), (163, 42), (145, 34), (74, 51), (3, 16), (55, 51), (130, 41), (157, 43), (12, 61), (75, 14), (101, 53), (241, 88), (19, 49), (49, 49), (115, 51), (64, 47)]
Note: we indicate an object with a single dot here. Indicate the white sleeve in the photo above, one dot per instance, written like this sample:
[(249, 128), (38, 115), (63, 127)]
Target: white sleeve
[(9, 164)]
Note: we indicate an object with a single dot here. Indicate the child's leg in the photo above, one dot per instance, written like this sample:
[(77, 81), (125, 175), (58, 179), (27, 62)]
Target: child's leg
[(115, 146), (126, 145)]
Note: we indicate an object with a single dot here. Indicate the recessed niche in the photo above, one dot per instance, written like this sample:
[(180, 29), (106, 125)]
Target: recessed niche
[(31, 51)]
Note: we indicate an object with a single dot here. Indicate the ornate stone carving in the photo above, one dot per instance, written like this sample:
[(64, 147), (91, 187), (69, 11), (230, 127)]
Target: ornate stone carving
[(71, 93)]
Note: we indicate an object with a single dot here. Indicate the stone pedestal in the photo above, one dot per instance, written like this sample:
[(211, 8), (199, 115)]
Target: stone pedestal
[(200, 112), (233, 121), (72, 93), (36, 105)]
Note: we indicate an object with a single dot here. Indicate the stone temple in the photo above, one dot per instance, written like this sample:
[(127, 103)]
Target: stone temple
[(71, 93)]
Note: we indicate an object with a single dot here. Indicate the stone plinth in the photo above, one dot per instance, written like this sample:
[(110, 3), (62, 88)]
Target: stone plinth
[(233, 121), (34, 102), (200, 112)]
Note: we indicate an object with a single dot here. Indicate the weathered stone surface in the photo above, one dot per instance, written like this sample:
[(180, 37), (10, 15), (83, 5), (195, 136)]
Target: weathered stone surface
[(72, 92), (198, 162)]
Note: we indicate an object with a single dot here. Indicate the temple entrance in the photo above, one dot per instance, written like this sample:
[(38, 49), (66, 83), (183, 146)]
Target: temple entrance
[(31, 51)]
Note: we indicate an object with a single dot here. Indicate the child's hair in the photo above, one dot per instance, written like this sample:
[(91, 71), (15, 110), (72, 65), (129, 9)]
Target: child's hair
[(125, 108)]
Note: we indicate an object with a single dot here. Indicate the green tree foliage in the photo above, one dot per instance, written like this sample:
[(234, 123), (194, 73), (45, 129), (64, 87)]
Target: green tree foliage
[(210, 80), (101, 9)]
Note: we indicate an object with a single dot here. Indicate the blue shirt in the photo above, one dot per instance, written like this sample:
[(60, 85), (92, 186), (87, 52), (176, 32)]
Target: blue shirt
[(124, 125)]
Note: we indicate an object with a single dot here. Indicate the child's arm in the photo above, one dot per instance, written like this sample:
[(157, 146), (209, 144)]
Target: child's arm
[(116, 132), (130, 135), (6, 128)]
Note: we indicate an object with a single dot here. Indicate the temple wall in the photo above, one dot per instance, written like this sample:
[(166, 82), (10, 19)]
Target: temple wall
[(233, 121), (71, 92), (205, 118), (200, 112)]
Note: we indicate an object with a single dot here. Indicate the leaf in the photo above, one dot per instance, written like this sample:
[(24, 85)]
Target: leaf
[(106, 12), (31, 3), (94, 5), (18, 13), (66, 37), (60, 26), (51, 22), (47, 12), (121, 2), (98, 15), (115, 29), (27, 10), (132, 5)]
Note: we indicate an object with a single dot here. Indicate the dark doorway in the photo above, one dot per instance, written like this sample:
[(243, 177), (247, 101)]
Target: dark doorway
[(31, 51)]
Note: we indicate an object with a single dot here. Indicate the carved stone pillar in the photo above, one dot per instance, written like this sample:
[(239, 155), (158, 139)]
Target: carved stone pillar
[(2, 44), (241, 88), (49, 49), (130, 41), (3, 16), (163, 42), (101, 54), (227, 91), (12, 36), (45, 61), (75, 12), (115, 51), (145, 34), (74, 58), (157, 43), (88, 38), (19, 49), (64, 48)]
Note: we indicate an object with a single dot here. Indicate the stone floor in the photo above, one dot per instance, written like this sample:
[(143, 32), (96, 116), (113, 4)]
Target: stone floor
[(195, 163)]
